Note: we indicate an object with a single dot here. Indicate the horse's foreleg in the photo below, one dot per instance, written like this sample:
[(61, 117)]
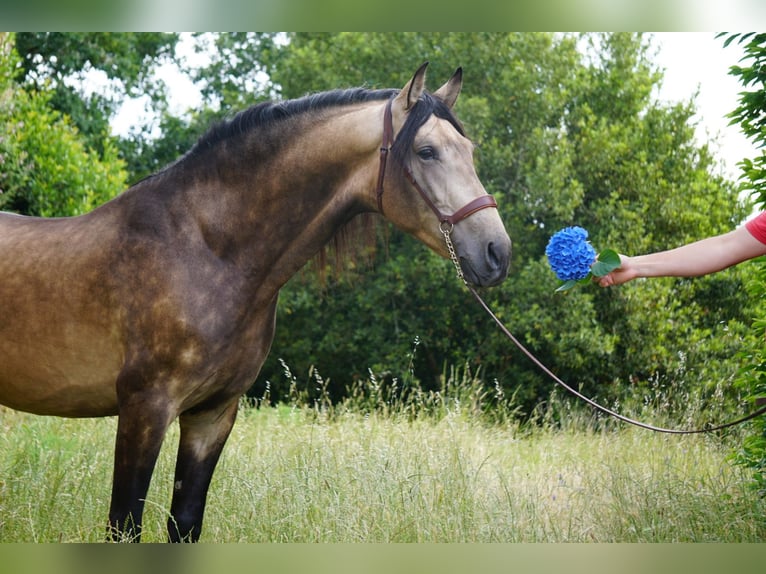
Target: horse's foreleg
[(141, 429), (203, 435)]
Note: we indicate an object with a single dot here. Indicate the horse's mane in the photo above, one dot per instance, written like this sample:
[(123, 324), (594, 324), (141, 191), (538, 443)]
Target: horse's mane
[(267, 114)]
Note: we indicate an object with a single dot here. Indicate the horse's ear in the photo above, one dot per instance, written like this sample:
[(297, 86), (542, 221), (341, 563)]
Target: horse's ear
[(449, 92), (412, 91)]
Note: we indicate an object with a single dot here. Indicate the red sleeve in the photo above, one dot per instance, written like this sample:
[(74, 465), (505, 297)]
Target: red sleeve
[(757, 227)]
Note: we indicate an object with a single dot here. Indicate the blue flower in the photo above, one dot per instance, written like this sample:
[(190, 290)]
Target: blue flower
[(569, 253)]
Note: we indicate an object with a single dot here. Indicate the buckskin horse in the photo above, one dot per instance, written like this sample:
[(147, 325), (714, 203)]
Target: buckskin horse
[(161, 303)]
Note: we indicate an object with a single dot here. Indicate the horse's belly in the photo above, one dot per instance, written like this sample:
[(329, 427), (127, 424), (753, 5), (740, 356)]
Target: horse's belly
[(55, 392), (50, 379)]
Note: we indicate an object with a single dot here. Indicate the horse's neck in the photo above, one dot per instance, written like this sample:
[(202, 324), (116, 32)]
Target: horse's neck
[(271, 213)]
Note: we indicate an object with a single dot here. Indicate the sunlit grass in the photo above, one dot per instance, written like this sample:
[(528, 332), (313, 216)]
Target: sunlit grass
[(305, 475)]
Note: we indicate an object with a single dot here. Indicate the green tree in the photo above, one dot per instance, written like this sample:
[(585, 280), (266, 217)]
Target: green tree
[(750, 116), (46, 167), (237, 75), (58, 63), (563, 138), (646, 186)]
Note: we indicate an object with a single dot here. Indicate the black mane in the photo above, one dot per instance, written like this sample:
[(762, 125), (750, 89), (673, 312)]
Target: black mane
[(266, 114)]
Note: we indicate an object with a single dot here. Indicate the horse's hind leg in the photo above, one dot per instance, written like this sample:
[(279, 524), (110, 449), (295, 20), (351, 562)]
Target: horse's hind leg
[(141, 429), (203, 435)]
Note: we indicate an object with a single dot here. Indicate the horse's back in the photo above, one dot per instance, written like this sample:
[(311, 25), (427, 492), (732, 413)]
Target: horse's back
[(59, 345)]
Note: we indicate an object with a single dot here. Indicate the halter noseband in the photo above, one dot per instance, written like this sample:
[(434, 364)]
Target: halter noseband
[(470, 208)]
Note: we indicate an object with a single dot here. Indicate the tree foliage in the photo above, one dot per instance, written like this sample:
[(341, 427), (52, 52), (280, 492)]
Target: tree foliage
[(58, 64), (749, 114), (46, 166), (568, 133)]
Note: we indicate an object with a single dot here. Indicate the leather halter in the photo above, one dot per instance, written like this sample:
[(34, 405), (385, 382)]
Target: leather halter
[(481, 202)]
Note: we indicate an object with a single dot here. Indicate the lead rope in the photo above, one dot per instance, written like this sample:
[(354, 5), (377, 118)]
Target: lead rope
[(446, 230)]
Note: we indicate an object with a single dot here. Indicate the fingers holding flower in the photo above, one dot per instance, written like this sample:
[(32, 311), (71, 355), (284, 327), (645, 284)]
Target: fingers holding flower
[(622, 274), (605, 281)]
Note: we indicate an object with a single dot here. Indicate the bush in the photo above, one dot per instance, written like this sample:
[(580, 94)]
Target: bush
[(45, 168)]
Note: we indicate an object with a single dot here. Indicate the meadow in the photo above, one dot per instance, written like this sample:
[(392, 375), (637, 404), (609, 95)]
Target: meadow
[(447, 474)]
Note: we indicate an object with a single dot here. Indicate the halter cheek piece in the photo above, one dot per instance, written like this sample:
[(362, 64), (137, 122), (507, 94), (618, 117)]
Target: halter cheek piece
[(470, 208)]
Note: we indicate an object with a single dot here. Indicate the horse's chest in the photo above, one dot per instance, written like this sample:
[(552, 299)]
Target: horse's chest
[(208, 351)]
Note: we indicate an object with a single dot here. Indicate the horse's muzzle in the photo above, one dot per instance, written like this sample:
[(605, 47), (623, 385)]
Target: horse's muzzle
[(491, 268)]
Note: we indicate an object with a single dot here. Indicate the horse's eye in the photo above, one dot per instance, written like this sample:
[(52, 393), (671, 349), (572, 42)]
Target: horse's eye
[(427, 153)]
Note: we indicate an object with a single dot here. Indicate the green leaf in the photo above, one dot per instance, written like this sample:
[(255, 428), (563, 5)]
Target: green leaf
[(606, 262), (566, 285)]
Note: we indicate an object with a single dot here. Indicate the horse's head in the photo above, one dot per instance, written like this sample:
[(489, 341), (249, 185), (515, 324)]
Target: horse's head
[(431, 185)]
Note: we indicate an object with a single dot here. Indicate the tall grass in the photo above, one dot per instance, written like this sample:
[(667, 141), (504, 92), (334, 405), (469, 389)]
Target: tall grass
[(437, 467)]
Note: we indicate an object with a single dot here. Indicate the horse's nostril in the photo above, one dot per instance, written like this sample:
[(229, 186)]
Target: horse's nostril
[(492, 259)]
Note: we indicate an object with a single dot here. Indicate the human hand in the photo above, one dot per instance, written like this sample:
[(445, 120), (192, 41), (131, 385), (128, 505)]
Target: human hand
[(624, 273)]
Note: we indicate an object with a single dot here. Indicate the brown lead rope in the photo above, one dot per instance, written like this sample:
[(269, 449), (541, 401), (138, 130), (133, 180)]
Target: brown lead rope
[(558, 381)]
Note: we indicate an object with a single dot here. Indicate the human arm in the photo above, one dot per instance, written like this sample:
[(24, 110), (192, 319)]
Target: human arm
[(693, 259)]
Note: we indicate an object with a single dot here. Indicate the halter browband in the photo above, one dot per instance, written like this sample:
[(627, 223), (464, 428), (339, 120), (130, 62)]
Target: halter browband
[(470, 208)]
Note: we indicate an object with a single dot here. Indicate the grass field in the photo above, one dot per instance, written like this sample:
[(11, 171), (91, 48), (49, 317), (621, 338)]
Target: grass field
[(301, 475)]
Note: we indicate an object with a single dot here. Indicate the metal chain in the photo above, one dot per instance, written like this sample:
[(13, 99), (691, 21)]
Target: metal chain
[(446, 229)]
